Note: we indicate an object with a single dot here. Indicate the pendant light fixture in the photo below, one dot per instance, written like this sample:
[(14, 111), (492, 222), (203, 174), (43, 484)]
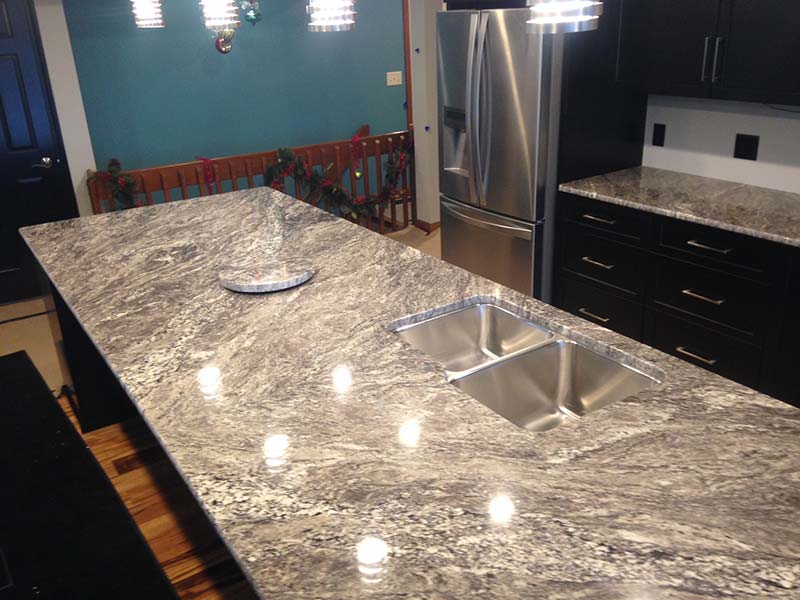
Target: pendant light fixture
[(564, 16), (331, 15), (221, 17), (147, 14)]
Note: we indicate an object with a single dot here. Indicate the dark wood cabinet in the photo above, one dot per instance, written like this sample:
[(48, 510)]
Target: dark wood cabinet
[(727, 49), (717, 299), (760, 51), (679, 36)]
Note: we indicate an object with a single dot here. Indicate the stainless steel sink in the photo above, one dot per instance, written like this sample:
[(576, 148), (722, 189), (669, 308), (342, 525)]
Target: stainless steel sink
[(471, 337), (539, 389), (519, 369)]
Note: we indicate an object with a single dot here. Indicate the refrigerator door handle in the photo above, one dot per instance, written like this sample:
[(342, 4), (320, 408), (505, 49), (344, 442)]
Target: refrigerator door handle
[(469, 109), (475, 91), (518, 232)]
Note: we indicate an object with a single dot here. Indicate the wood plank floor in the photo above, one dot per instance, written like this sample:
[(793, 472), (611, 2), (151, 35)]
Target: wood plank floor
[(191, 553)]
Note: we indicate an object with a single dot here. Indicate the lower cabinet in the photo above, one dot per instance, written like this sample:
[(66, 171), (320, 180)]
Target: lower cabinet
[(602, 307), (704, 347), (722, 301)]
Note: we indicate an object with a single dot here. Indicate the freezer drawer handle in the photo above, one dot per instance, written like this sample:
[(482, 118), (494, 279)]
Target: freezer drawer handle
[(591, 217), (591, 315), (706, 361), (517, 231), (692, 294), (596, 263), (702, 246)]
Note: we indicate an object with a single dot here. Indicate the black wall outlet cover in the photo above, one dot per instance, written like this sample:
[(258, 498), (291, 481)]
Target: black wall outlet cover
[(659, 133), (746, 146)]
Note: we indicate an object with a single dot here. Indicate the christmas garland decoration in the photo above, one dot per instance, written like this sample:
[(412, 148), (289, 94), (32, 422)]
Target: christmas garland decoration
[(328, 191), (121, 186)]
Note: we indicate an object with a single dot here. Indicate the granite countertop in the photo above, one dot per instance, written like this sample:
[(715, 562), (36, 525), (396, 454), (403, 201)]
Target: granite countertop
[(305, 427), (760, 212)]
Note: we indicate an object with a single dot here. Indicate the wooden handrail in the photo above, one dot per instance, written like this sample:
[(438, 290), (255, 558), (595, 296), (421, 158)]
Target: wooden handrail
[(188, 180)]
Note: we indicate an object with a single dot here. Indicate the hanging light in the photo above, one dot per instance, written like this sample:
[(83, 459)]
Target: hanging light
[(564, 16), (147, 13), (220, 14), (221, 17), (331, 15)]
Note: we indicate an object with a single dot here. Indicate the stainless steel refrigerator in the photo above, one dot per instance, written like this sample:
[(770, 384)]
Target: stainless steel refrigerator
[(499, 92)]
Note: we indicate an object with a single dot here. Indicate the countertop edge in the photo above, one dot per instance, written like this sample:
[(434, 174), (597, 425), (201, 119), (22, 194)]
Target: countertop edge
[(570, 188)]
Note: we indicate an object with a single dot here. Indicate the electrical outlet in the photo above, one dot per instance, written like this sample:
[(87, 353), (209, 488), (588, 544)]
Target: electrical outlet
[(746, 146), (659, 133), (394, 78)]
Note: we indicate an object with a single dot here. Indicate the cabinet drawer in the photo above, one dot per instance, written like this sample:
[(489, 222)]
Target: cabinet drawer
[(604, 260), (706, 348), (598, 306), (739, 254), (619, 220), (713, 295)]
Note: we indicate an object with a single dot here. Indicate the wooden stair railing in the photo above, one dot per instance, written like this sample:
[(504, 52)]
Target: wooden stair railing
[(231, 173)]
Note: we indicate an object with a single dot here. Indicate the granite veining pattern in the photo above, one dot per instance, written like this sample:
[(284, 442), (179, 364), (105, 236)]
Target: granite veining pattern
[(338, 463), (759, 212)]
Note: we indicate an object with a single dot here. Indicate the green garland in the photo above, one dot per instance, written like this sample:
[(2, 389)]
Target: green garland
[(339, 199)]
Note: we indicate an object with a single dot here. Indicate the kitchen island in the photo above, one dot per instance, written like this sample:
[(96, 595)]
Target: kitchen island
[(337, 462)]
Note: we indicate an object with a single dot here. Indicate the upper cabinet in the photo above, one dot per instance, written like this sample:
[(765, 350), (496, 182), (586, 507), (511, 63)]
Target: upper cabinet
[(727, 49)]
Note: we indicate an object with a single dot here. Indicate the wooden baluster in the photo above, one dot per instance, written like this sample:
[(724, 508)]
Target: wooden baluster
[(147, 193), (364, 157), (201, 180), (249, 172), (379, 177), (392, 203), (184, 187), (164, 188), (404, 188), (323, 156), (337, 165), (233, 172), (353, 180), (217, 177)]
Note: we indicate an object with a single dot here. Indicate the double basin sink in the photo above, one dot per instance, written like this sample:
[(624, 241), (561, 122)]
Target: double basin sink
[(519, 369)]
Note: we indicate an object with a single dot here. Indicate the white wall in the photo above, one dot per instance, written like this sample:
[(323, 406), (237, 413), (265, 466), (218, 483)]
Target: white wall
[(422, 35), (67, 94), (700, 137)]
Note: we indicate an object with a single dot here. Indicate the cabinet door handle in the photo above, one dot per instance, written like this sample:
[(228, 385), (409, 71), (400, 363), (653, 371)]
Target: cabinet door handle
[(705, 59), (591, 217), (702, 246), (596, 263), (692, 294), (591, 315), (717, 44), (706, 361)]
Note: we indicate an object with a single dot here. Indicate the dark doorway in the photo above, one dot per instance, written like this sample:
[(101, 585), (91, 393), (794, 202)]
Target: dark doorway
[(35, 185)]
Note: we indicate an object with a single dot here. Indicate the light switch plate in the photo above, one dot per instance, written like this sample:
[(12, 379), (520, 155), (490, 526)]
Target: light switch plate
[(394, 78)]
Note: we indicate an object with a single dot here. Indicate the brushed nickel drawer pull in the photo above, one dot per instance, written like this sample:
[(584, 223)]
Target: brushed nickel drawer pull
[(703, 246), (696, 296), (591, 315), (596, 263), (591, 217), (707, 361)]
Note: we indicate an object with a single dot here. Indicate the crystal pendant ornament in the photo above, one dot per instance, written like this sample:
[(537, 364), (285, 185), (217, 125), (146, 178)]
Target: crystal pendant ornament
[(224, 43), (252, 12)]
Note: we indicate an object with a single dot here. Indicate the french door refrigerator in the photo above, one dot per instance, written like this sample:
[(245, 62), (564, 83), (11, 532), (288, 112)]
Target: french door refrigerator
[(499, 90)]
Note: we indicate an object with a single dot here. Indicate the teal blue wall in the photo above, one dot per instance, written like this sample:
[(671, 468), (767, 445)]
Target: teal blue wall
[(163, 96)]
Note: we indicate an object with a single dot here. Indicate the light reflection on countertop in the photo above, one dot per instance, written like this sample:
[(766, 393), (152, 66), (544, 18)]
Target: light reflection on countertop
[(209, 380), (409, 433), (342, 379), (276, 450), (501, 509), (372, 554)]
